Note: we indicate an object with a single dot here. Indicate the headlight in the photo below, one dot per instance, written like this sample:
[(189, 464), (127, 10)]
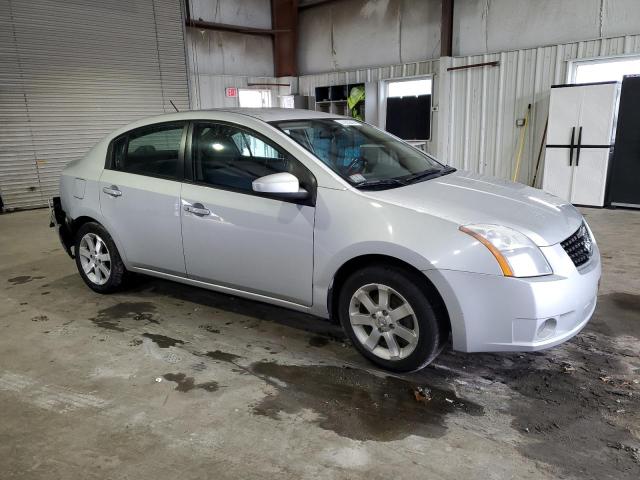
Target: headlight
[(516, 254)]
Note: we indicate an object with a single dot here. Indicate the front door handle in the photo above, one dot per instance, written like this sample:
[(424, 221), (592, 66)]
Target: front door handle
[(197, 209), (112, 191)]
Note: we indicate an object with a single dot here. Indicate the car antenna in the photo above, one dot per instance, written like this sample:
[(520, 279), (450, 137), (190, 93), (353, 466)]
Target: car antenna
[(174, 105)]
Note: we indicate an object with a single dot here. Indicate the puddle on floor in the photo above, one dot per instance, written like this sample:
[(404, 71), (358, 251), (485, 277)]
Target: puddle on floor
[(22, 279), (357, 404), (222, 356), (108, 324), (162, 340), (186, 384), (111, 318)]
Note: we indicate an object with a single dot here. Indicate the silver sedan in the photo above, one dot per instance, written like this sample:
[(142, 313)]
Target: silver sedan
[(331, 216)]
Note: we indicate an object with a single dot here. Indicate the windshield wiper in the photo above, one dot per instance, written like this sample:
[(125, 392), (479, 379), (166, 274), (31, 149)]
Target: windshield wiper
[(427, 174), (381, 183)]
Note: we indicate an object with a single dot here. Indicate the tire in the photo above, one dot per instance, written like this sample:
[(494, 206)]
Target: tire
[(88, 261), (419, 335)]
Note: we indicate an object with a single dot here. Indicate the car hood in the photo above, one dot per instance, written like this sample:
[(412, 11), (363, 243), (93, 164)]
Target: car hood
[(466, 198)]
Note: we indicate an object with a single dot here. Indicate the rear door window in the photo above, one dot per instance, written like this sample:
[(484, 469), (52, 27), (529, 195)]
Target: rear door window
[(153, 151)]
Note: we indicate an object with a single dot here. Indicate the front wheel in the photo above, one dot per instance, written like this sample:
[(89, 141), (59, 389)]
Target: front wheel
[(97, 258), (389, 318)]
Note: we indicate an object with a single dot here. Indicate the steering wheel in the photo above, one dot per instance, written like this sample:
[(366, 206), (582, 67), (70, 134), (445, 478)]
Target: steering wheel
[(351, 168)]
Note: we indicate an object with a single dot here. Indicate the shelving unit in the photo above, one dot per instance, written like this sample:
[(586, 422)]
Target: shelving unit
[(333, 99)]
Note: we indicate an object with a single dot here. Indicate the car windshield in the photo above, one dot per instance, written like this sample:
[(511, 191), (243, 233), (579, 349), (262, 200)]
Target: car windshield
[(362, 154)]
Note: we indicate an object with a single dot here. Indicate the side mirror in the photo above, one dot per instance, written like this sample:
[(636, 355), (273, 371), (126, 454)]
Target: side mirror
[(283, 185)]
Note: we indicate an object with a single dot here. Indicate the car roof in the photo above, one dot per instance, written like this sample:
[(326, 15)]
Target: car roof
[(262, 114), (277, 114)]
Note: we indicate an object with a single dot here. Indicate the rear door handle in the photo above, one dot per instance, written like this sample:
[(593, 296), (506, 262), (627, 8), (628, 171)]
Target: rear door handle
[(197, 209), (112, 191)]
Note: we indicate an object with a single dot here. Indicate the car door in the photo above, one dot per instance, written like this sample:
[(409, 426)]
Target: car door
[(140, 195), (238, 238)]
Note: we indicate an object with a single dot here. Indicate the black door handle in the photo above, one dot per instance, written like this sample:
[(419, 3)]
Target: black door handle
[(579, 146), (573, 134)]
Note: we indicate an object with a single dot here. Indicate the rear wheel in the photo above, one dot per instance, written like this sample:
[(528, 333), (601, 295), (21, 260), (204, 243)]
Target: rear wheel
[(97, 258), (389, 318)]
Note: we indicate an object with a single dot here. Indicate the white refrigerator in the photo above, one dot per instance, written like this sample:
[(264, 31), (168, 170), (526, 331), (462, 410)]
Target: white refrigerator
[(579, 141)]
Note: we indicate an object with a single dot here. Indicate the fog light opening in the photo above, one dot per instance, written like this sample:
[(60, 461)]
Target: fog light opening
[(547, 328)]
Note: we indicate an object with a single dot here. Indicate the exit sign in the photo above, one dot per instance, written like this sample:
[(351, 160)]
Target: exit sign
[(231, 92)]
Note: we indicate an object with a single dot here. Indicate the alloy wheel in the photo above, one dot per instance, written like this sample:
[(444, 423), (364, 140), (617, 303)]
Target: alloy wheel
[(384, 322), (95, 258)]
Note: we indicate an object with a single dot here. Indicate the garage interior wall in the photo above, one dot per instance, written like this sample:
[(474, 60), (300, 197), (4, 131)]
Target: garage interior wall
[(483, 104), (475, 110), (220, 59), (71, 72), (348, 34)]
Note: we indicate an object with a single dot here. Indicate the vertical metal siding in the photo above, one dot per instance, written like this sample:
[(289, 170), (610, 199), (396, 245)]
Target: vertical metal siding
[(485, 102), (80, 69)]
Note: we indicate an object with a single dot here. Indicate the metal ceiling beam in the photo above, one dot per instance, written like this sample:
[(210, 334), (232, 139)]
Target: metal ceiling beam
[(223, 27), (314, 3), (284, 21), (446, 29)]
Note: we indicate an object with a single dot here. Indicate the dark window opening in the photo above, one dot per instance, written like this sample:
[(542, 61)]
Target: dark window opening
[(230, 157), (153, 151)]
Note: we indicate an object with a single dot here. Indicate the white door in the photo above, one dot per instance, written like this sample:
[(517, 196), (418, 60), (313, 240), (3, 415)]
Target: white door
[(140, 196), (564, 114), (597, 113), (234, 237), (581, 121), (599, 106), (557, 177), (590, 173)]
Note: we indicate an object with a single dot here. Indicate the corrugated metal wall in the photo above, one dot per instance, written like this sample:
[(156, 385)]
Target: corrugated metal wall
[(71, 72), (208, 90), (485, 102), (475, 125), (219, 59), (308, 83)]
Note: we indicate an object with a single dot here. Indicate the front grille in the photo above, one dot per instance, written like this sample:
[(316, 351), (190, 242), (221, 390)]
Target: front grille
[(579, 246)]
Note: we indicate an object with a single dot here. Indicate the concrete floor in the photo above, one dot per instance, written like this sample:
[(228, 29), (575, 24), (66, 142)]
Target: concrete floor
[(167, 381)]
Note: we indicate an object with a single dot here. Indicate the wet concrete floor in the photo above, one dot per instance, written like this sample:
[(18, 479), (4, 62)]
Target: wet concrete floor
[(168, 381)]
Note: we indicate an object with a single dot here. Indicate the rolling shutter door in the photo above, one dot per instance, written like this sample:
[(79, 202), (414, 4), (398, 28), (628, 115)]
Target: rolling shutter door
[(18, 176), (73, 71)]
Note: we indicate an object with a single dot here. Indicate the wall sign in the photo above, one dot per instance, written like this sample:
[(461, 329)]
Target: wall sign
[(231, 92)]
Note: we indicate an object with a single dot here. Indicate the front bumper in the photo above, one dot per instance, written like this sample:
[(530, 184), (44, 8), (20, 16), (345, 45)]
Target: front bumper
[(495, 313)]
